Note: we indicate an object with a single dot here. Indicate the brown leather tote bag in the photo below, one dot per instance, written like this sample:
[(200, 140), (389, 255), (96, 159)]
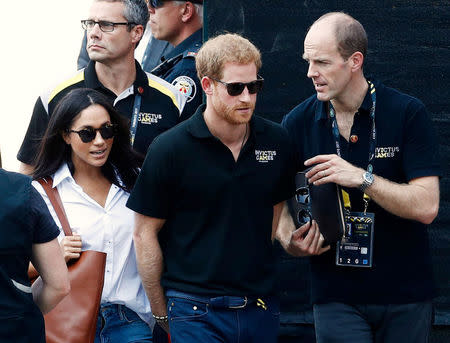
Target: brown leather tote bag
[(74, 319)]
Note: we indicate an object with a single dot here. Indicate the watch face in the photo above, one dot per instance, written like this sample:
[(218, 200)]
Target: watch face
[(368, 177)]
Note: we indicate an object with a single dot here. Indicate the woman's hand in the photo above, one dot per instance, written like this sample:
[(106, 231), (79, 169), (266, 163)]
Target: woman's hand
[(71, 247)]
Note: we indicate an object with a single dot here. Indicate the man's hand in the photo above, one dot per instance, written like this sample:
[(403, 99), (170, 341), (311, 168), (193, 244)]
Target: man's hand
[(416, 200), (332, 168), (307, 241)]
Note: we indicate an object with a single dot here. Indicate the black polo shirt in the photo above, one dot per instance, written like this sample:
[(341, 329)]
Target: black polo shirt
[(217, 235), (159, 109), (406, 148)]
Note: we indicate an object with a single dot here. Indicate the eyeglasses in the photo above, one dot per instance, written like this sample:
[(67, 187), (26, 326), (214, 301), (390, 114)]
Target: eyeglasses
[(105, 26), (88, 134), (236, 88)]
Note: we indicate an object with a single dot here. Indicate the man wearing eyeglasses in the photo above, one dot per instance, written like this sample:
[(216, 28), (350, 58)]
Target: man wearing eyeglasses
[(378, 144), (208, 201), (180, 23), (114, 29)]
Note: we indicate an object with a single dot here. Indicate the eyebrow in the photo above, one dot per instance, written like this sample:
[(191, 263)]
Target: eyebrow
[(318, 58), (91, 127)]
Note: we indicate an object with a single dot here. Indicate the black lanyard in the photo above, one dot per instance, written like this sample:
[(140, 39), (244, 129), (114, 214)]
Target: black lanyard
[(134, 119), (373, 136)]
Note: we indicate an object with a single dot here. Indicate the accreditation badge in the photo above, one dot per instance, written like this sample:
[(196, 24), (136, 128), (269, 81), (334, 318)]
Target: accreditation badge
[(356, 246)]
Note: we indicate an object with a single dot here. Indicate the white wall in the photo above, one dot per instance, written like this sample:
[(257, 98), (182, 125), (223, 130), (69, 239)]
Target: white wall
[(40, 45)]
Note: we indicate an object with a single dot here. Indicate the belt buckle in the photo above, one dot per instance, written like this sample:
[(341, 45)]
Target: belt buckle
[(240, 306)]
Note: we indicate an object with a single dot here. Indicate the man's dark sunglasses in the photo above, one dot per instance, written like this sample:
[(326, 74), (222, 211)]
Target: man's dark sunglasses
[(236, 88), (156, 3), (88, 134)]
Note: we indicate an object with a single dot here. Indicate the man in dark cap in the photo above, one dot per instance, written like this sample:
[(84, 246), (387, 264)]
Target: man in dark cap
[(180, 23)]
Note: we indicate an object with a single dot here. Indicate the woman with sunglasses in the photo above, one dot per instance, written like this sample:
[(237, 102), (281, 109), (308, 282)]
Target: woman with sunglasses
[(86, 150)]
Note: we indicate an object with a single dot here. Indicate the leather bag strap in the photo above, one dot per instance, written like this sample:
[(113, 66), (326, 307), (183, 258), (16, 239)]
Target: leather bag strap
[(55, 199)]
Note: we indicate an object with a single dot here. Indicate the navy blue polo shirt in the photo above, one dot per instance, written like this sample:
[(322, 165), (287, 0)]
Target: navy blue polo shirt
[(406, 148), (159, 111), (217, 235), (183, 75), (24, 221)]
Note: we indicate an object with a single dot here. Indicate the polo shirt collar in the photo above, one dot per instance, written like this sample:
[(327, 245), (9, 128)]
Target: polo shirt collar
[(321, 110), (92, 81), (322, 107), (367, 103), (198, 128), (141, 77)]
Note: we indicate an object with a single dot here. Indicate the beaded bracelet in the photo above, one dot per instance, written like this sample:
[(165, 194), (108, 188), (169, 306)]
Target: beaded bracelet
[(161, 318)]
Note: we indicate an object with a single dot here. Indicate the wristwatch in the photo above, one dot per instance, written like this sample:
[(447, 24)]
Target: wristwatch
[(367, 181)]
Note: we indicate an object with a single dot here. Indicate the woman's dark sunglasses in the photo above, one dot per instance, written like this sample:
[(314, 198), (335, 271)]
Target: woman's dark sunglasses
[(88, 134), (236, 88)]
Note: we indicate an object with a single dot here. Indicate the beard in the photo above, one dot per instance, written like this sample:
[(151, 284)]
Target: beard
[(231, 113)]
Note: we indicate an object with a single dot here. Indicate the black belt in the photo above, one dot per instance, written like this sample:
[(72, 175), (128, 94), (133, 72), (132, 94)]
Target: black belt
[(224, 301)]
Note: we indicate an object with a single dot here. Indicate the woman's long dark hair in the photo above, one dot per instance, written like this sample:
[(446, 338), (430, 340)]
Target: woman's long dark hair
[(54, 151)]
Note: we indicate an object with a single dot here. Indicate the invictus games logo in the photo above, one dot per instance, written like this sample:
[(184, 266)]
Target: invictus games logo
[(265, 156), (386, 152), (149, 118)]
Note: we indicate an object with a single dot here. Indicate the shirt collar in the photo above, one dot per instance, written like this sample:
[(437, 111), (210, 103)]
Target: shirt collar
[(92, 81), (190, 44), (90, 75), (61, 174), (322, 107), (141, 77), (198, 128), (64, 173)]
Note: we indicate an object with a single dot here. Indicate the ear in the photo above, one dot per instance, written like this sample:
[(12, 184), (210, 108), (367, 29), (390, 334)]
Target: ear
[(188, 11), (207, 85), (356, 60), (66, 137), (136, 33)]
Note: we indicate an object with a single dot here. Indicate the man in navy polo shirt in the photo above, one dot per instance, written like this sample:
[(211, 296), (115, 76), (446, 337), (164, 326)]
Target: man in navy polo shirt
[(208, 201), (378, 144)]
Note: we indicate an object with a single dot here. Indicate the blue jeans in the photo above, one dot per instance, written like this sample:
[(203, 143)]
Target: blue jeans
[(118, 324), (203, 319), (339, 323)]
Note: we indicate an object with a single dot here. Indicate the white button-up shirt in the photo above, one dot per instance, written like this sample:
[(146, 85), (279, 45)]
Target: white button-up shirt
[(108, 229)]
